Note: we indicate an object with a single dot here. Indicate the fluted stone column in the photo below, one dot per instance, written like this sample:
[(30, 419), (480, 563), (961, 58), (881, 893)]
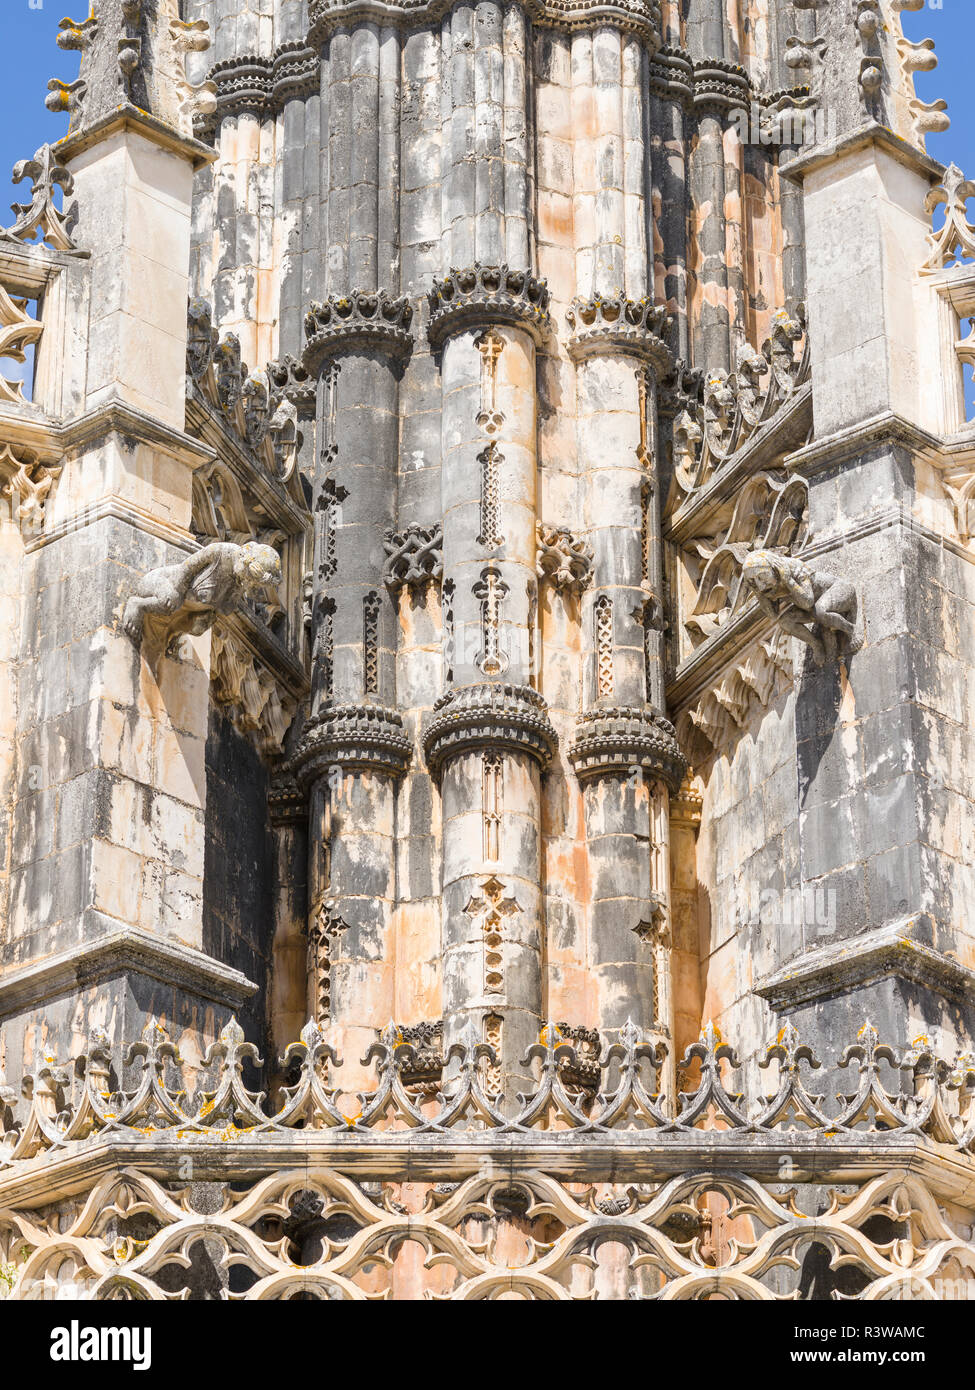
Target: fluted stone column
[(625, 753), (490, 737), (354, 747)]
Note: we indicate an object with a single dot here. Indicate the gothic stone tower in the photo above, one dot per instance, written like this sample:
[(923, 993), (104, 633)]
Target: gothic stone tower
[(549, 666)]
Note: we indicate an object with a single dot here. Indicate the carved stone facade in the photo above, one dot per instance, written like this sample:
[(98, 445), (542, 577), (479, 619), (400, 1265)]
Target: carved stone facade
[(568, 618)]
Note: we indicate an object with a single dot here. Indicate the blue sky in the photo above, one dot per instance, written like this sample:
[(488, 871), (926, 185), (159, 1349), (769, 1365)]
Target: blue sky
[(30, 57)]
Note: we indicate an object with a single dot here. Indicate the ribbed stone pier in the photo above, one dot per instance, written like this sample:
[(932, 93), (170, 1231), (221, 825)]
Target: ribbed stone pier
[(490, 736), (354, 746), (624, 753)]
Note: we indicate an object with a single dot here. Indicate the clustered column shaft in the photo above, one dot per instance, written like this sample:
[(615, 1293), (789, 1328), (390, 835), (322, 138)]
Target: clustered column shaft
[(486, 322)]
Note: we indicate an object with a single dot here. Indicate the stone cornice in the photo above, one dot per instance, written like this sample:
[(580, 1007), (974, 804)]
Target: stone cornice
[(511, 718), (853, 963), (119, 510), (479, 295), (132, 119), (363, 319), (112, 417), (640, 17), (887, 428), (356, 738), (613, 740), (612, 324), (109, 949), (644, 1155), (855, 140)]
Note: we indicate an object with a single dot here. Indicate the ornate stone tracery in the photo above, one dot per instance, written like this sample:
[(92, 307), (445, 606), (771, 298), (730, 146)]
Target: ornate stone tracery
[(18, 332), (414, 557), (41, 218), (886, 1138), (564, 559)]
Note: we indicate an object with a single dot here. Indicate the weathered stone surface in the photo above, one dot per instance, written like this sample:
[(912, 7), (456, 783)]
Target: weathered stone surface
[(568, 615)]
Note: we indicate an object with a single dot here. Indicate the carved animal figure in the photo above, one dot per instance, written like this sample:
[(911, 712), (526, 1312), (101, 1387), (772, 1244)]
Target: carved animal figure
[(801, 600), (192, 593)]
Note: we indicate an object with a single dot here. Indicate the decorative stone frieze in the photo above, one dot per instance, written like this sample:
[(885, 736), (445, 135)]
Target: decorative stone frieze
[(41, 219), (613, 740), (563, 559), (931, 1109), (249, 83), (616, 324), (243, 85), (295, 72), (353, 738), (479, 295), (362, 319), (720, 87), (414, 557), (489, 715)]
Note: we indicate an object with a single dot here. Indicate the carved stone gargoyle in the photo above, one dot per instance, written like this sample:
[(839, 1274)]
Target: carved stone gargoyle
[(189, 596), (809, 604)]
